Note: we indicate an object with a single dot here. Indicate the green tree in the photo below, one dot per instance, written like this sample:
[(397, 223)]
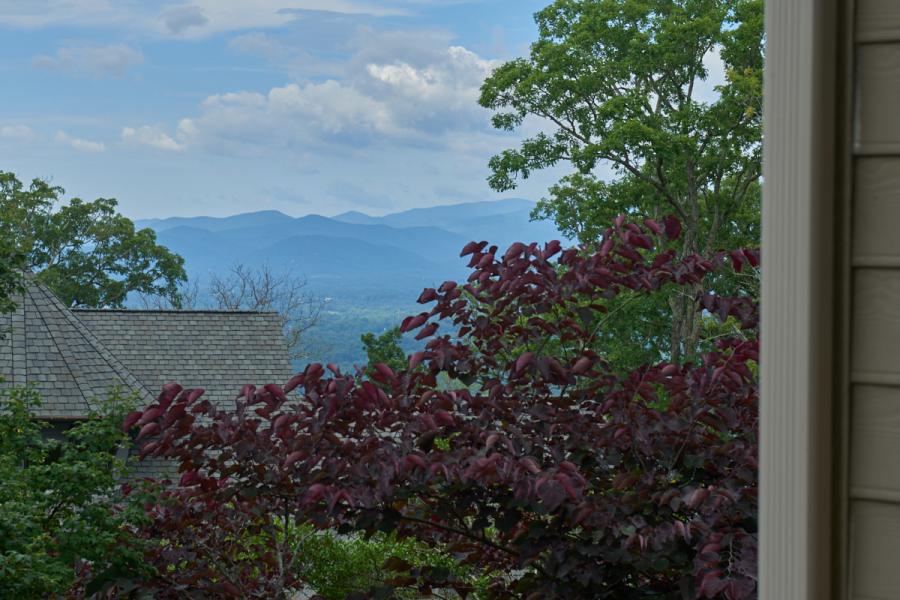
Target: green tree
[(12, 262), (385, 348), (58, 499), (615, 83), (86, 252)]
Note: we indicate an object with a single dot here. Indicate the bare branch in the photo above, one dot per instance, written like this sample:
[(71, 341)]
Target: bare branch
[(188, 293), (265, 290)]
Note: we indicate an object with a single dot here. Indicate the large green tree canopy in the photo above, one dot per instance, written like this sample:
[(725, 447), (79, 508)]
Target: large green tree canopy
[(11, 265), (617, 82), (86, 252), (614, 83)]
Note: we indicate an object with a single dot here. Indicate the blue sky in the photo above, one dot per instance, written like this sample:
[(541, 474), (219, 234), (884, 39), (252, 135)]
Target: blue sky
[(223, 106)]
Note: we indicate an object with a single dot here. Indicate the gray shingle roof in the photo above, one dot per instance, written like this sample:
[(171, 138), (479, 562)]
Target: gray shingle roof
[(46, 346), (218, 351), (74, 356)]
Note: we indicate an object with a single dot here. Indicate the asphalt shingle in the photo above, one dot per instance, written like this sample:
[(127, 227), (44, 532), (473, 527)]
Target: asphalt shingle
[(216, 351), (75, 356), (46, 346)]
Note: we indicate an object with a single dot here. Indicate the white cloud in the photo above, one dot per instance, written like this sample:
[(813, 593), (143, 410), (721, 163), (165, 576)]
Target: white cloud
[(300, 55), (258, 43), (292, 117), (43, 13), (449, 84), (192, 18), (332, 107), (18, 132), (79, 144), (204, 17), (96, 61), (430, 103), (151, 136), (180, 18)]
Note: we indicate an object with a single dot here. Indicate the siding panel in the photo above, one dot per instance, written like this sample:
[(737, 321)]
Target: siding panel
[(875, 442), (877, 20), (875, 344), (878, 96), (875, 548), (871, 486), (876, 211)]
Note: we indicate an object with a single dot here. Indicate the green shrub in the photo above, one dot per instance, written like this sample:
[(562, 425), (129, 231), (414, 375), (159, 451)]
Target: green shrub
[(59, 501), (336, 566)]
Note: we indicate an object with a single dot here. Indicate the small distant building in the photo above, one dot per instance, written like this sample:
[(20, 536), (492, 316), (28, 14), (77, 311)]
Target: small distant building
[(74, 357)]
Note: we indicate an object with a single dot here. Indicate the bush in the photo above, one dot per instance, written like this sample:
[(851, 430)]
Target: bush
[(338, 566), (542, 465), (60, 511)]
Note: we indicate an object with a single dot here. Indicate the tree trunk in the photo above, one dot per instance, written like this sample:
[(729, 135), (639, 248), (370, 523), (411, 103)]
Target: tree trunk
[(686, 322)]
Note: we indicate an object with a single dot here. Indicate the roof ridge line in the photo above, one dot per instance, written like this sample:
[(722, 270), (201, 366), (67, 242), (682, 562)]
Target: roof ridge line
[(18, 329), (111, 361), (65, 354)]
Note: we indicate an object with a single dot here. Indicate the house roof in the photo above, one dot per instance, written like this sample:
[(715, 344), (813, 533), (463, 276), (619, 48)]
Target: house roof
[(74, 357), (219, 351), (46, 346)]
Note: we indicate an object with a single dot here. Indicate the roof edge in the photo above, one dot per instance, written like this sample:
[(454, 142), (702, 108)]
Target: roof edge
[(174, 311)]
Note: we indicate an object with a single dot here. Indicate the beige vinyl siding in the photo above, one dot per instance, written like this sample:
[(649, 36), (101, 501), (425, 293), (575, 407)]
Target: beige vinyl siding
[(878, 94), (875, 550), (875, 346), (877, 20), (877, 211), (874, 431)]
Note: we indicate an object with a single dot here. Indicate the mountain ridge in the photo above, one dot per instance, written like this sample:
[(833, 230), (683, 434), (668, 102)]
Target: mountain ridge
[(371, 268), (400, 218)]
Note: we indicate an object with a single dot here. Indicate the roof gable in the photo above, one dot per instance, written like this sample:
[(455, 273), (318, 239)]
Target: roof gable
[(46, 346)]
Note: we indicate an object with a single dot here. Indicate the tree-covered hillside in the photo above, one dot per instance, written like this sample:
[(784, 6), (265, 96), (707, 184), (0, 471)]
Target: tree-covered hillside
[(366, 271)]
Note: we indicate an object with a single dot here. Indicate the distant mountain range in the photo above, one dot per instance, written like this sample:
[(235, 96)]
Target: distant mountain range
[(415, 243), (372, 268)]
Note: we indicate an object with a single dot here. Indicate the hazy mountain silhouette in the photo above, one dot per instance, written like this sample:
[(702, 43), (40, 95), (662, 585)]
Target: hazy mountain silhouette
[(429, 238), (370, 267)]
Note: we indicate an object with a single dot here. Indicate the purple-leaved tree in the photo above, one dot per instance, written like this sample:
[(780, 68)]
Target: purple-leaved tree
[(507, 440)]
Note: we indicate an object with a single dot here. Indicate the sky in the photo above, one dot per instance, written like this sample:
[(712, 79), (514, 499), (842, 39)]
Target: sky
[(215, 107)]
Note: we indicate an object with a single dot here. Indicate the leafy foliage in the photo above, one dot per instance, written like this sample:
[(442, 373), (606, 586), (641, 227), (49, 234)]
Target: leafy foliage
[(59, 508), (616, 83), (546, 468), (385, 349), (339, 566), (12, 264), (226, 549), (86, 252)]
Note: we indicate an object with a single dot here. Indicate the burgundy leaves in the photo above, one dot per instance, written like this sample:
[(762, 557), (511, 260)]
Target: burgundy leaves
[(509, 440), (239, 470), (673, 227)]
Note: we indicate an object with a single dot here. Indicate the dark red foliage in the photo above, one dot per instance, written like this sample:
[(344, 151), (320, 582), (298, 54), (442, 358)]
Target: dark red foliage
[(508, 439)]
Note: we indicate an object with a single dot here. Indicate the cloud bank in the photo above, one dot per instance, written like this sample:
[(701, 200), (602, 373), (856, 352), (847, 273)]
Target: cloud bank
[(400, 102), (95, 61), (82, 145)]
